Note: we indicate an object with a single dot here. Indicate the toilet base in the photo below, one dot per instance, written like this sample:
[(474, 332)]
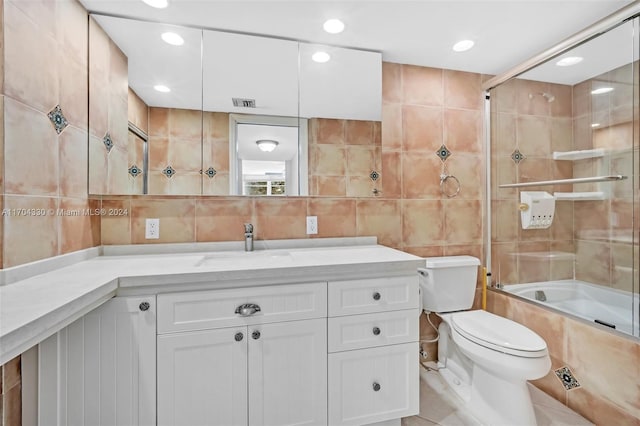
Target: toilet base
[(491, 399)]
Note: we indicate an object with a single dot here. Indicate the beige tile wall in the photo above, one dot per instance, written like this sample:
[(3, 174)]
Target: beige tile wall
[(605, 364), (11, 393), (45, 173)]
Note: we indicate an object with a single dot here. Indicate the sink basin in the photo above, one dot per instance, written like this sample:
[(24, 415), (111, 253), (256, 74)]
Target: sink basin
[(245, 258)]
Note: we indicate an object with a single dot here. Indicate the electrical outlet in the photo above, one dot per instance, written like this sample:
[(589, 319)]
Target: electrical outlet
[(312, 225), (152, 229)]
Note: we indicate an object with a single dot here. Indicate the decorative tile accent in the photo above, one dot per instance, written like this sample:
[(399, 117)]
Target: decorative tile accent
[(134, 171), (58, 119), (443, 152), (169, 172), (107, 141), (517, 156), (374, 175), (566, 377), (211, 172)]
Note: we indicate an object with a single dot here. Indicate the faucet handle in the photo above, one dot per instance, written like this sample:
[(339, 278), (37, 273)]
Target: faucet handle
[(248, 228)]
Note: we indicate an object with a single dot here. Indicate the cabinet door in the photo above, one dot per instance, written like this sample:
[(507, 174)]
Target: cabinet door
[(373, 385), (202, 378), (101, 369), (288, 373)]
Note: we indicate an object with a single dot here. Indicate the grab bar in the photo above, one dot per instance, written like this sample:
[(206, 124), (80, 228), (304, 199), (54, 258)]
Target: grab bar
[(564, 181)]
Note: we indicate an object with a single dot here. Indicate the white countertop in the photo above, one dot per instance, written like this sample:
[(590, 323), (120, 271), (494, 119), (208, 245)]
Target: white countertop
[(33, 308)]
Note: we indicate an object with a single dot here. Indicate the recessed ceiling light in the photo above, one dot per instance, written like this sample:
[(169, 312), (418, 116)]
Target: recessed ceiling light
[(162, 88), (569, 60), (321, 57), (602, 90), (267, 145), (158, 4), (333, 26), (463, 45), (172, 38), (595, 124)]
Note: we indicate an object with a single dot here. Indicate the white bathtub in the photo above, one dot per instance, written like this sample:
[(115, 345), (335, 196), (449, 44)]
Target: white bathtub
[(605, 305)]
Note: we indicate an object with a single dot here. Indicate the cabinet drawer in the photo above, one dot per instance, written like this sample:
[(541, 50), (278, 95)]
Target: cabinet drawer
[(373, 295), (369, 330), (217, 308), (373, 385)]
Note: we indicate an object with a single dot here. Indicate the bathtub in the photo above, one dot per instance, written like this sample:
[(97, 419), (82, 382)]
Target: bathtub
[(604, 305)]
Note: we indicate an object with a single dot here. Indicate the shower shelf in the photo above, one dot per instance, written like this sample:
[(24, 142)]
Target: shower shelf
[(578, 155), (580, 196), (564, 181)]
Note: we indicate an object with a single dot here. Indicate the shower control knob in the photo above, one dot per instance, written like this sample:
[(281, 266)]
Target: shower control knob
[(376, 387), (376, 331), (376, 296), (255, 335), (239, 336), (144, 306)]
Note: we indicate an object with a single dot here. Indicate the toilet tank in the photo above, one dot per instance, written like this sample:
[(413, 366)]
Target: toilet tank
[(448, 283)]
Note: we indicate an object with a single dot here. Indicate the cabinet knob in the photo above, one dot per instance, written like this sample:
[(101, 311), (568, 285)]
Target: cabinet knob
[(376, 331), (376, 387), (144, 306), (376, 296), (247, 309), (239, 336), (255, 335)]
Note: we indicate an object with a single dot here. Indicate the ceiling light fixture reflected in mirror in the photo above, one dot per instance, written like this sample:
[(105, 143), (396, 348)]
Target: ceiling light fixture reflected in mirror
[(594, 125), (172, 38), (267, 145), (463, 45), (161, 88), (321, 57), (333, 26), (569, 61), (602, 90), (158, 4)]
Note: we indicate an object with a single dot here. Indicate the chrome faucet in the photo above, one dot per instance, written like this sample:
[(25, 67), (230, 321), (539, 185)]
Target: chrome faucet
[(248, 237)]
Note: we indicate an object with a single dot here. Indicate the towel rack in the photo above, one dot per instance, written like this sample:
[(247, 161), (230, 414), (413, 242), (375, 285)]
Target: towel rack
[(564, 181)]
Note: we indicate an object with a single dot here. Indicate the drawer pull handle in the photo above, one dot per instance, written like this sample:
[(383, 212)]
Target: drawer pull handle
[(239, 336), (255, 335), (376, 331), (144, 306), (376, 296), (376, 387), (247, 309)]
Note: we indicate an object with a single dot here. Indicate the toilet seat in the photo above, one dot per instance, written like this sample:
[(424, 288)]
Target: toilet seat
[(498, 334)]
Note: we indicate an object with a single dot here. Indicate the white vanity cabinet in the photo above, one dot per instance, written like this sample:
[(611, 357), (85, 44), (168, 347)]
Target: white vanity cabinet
[(218, 367), (373, 333), (101, 369)]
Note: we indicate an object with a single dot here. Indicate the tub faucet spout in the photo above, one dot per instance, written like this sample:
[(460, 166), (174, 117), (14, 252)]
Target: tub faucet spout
[(248, 237)]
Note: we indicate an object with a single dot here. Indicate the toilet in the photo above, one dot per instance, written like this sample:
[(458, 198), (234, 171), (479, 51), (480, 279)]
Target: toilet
[(486, 359)]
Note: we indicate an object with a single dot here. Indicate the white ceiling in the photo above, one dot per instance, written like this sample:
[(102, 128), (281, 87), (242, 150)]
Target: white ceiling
[(419, 32)]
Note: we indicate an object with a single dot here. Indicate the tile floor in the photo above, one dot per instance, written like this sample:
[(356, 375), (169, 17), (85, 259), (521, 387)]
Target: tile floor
[(440, 406)]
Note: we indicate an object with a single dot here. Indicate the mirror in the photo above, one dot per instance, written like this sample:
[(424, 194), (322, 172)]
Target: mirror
[(187, 141), (557, 122)]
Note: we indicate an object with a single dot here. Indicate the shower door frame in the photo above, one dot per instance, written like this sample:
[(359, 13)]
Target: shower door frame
[(602, 26)]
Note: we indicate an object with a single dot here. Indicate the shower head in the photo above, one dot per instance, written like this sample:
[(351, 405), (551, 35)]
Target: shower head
[(548, 96)]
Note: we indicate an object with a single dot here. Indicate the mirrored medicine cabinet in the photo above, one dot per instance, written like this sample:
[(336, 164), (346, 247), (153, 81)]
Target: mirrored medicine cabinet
[(188, 111)]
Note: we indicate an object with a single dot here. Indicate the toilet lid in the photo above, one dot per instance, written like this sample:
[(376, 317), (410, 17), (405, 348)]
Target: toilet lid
[(498, 333)]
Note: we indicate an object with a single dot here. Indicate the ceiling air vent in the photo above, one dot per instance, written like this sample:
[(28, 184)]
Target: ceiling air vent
[(244, 103)]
